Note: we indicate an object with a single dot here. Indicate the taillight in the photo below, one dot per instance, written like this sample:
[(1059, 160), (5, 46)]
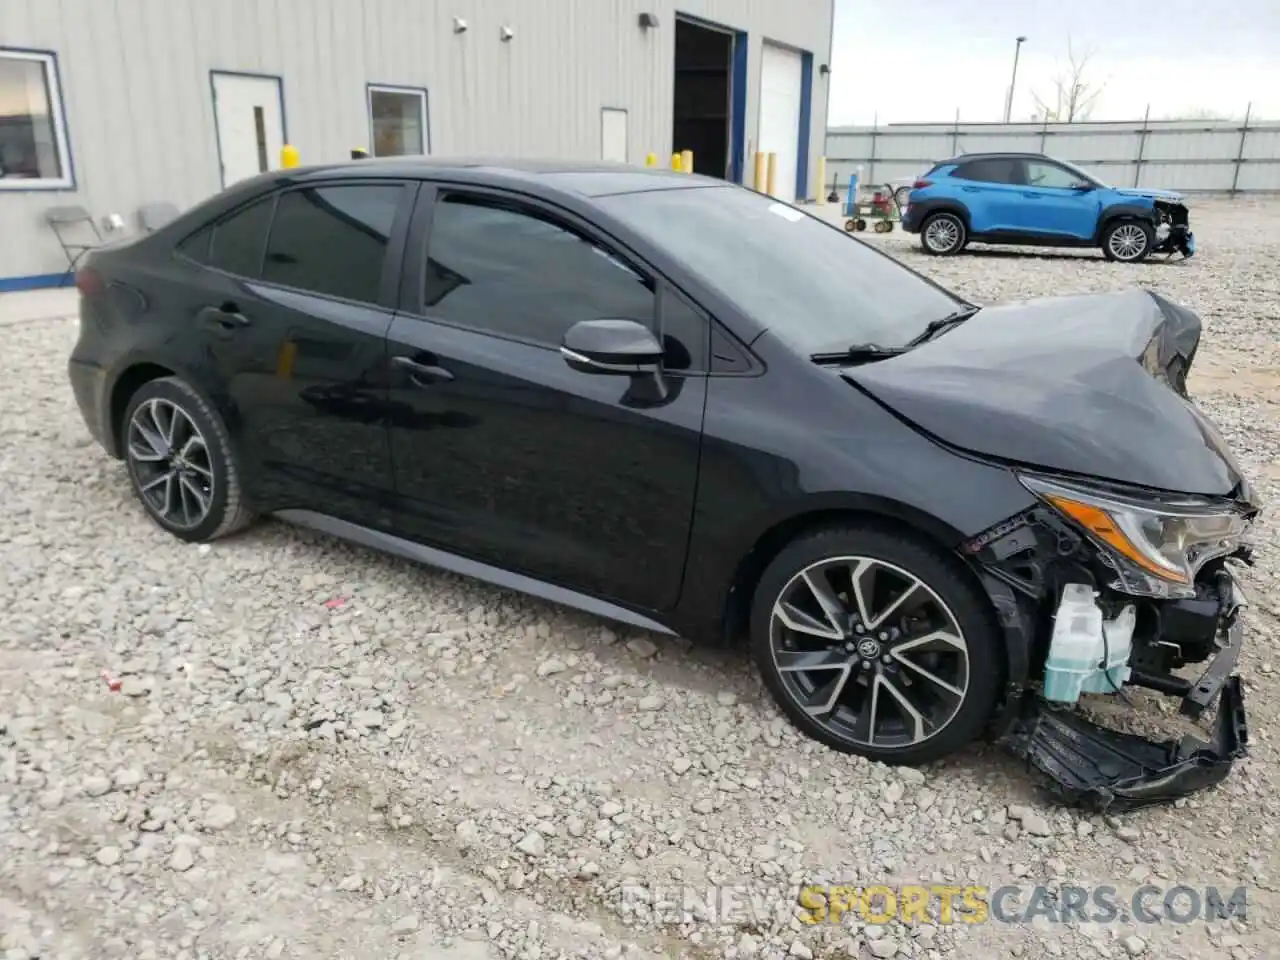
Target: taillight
[(89, 282), (921, 184)]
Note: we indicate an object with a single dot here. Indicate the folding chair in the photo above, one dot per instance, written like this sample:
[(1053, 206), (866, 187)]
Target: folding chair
[(65, 219), (153, 216)]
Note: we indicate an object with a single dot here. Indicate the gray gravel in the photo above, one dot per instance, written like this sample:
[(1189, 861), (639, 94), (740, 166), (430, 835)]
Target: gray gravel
[(435, 768)]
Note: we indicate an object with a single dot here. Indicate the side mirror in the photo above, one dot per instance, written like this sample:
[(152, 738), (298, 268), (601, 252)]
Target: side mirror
[(620, 347), (1082, 185)]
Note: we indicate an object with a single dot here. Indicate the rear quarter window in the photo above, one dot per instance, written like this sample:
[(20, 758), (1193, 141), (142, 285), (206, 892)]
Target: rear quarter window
[(196, 247)]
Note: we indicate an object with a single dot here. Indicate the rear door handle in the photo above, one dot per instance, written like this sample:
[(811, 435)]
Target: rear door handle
[(224, 318), (970, 189), (422, 374)]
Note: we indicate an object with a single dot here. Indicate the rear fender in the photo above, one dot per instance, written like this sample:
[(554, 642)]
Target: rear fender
[(922, 209)]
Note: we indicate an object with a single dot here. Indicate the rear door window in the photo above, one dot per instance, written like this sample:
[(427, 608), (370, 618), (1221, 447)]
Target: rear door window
[(990, 170), (332, 240)]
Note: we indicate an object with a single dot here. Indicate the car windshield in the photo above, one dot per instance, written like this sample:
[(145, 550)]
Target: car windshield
[(810, 284)]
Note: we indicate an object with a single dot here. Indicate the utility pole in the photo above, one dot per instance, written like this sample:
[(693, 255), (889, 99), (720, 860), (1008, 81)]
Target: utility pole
[(1008, 104)]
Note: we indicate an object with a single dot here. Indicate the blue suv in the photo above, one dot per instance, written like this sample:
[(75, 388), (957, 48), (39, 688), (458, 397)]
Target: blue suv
[(1034, 200)]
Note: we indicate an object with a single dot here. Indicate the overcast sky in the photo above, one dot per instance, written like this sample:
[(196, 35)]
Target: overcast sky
[(922, 59)]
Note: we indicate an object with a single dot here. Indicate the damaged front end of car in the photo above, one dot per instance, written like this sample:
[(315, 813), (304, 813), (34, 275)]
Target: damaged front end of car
[(1172, 228), (1100, 588)]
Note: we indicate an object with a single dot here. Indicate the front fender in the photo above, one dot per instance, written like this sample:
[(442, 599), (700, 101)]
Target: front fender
[(1131, 208)]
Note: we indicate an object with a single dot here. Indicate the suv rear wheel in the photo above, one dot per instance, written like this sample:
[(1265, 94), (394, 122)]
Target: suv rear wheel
[(1127, 241), (875, 644), (943, 234)]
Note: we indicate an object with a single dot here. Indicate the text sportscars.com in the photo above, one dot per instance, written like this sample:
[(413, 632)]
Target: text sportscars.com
[(675, 904)]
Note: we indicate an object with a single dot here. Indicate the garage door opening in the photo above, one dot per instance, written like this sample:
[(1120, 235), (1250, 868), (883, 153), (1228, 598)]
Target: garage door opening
[(705, 109)]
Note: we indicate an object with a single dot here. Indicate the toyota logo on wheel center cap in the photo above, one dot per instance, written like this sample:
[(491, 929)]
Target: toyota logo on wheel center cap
[(868, 649)]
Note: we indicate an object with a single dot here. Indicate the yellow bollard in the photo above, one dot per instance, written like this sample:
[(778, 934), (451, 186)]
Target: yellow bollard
[(675, 161), (758, 182), (285, 356), (650, 159), (289, 156), (822, 181), (686, 161), (771, 176)]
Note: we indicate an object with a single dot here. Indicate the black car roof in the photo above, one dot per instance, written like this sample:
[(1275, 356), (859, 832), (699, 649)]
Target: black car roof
[(591, 178), (995, 155)]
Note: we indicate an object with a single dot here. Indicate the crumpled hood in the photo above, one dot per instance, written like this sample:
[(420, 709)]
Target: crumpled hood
[(1091, 385), (1144, 192)]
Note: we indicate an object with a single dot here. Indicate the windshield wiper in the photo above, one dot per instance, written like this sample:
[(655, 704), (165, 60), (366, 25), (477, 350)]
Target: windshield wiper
[(857, 353), (935, 327), (871, 352)]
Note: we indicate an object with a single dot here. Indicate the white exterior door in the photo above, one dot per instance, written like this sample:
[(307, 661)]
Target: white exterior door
[(250, 119), (613, 135), (779, 120)]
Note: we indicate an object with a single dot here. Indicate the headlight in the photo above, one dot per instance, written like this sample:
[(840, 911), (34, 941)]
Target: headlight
[(1155, 546)]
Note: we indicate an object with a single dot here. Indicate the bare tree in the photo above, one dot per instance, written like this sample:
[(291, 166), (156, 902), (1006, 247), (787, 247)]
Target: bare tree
[(1202, 113), (1074, 94)]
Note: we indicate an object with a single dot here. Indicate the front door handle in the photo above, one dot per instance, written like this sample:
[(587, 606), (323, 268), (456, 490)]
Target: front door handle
[(223, 319), (970, 189), (422, 374)]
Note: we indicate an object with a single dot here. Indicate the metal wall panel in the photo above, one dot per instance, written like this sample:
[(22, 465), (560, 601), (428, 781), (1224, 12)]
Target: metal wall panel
[(1192, 155), (138, 97)]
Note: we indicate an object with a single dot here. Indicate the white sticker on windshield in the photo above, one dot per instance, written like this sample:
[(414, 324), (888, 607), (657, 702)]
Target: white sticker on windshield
[(786, 212)]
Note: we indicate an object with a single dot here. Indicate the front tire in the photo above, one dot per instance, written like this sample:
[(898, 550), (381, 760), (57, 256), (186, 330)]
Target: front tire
[(1128, 241), (181, 463), (874, 644), (943, 234)]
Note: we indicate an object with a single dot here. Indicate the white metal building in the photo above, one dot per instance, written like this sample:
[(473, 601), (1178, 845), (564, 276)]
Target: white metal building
[(113, 106)]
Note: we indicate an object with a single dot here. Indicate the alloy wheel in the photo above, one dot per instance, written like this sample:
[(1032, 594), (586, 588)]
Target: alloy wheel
[(1127, 241), (869, 651), (170, 461), (942, 234)]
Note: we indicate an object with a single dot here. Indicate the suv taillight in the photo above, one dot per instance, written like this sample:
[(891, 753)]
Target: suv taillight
[(89, 282), (921, 184)]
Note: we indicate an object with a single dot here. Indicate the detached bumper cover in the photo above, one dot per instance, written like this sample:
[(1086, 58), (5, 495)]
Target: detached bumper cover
[(1102, 769), (1180, 240)]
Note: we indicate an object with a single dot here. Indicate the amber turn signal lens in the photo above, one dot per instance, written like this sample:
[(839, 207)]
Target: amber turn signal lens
[(1099, 523)]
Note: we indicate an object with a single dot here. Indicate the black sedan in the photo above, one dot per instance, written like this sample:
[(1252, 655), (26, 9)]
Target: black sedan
[(677, 403)]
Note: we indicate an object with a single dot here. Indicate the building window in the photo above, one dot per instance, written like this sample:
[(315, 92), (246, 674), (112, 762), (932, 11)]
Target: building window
[(398, 121), (33, 134)]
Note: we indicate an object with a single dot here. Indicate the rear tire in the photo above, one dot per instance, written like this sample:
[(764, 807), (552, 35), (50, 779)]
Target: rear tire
[(180, 462), (929, 685), (943, 234), (1128, 241)]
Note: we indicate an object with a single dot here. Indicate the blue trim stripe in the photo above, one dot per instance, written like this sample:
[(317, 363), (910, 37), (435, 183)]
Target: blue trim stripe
[(738, 107), (37, 282), (806, 110)]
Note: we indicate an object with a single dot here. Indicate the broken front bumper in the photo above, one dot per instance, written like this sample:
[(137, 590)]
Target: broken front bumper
[(1102, 769), (1180, 240)]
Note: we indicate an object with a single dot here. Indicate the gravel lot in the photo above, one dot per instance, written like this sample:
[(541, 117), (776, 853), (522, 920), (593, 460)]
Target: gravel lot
[(318, 751)]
